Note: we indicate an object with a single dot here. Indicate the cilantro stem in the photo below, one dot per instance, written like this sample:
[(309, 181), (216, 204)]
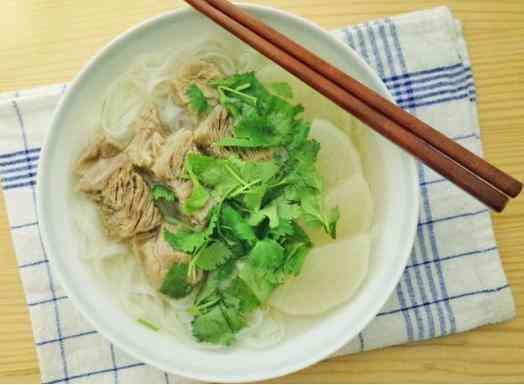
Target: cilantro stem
[(219, 208), (191, 266), (245, 187), (282, 182), (208, 304), (235, 175), (243, 87), (250, 98), (148, 324), (219, 231)]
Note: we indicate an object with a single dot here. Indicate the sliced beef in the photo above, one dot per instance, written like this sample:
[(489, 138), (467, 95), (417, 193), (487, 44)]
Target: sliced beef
[(150, 136), (127, 205), (182, 189), (170, 162), (149, 120), (215, 127), (95, 174), (184, 119), (99, 148)]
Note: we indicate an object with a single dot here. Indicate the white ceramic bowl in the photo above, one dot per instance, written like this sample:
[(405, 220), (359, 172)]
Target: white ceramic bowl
[(391, 173)]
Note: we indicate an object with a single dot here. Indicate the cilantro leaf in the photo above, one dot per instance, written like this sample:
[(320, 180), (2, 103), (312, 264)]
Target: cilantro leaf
[(212, 256), (252, 198), (240, 291), (281, 89), (300, 140), (270, 122), (226, 175), (199, 195), (332, 217), (175, 283), (316, 216), (284, 229), (267, 255), (197, 99), (233, 221), (215, 280), (197, 200), (254, 170), (303, 173), (190, 241), (213, 327), (208, 288), (279, 208), (252, 130), (211, 172), (269, 212), (160, 191), (283, 117), (256, 281), (234, 318), (296, 255), (185, 240), (287, 210)]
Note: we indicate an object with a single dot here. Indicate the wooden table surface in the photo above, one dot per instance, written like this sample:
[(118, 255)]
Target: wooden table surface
[(47, 41)]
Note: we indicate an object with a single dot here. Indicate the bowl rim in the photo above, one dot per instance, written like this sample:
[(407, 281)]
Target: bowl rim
[(49, 249)]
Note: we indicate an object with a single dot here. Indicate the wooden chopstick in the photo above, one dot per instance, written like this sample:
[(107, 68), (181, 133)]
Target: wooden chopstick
[(461, 155), (375, 119)]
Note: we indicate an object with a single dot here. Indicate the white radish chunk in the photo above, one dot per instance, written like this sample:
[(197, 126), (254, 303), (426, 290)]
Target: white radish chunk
[(338, 158), (331, 275)]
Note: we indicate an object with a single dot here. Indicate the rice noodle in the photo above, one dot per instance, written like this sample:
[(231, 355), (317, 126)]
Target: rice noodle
[(266, 329), (88, 226), (124, 102)]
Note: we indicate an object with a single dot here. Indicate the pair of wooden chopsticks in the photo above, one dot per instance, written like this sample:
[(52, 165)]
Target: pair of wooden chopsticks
[(487, 183)]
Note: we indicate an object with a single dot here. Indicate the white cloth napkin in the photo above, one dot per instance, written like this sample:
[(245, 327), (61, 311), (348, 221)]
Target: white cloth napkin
[(454, 279)]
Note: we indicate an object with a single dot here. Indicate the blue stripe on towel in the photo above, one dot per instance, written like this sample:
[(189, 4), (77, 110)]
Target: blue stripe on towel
[(448, 299), (29, 167), (26, 159), (21, 152), (424, 72)]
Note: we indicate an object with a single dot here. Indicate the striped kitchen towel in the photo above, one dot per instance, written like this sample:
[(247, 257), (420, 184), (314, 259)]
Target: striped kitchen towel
[(453, 282)]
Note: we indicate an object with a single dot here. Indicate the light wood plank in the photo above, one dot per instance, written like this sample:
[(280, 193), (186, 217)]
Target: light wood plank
[(47, 41)]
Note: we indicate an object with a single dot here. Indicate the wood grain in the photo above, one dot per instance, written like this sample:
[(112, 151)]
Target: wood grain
[(47, 41)]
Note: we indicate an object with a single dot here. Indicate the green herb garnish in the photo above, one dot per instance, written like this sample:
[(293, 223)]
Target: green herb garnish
[(214, 255), (160, 191), (253, 241), (197, 99), (175, 283), (148, 324), (281, 89)]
